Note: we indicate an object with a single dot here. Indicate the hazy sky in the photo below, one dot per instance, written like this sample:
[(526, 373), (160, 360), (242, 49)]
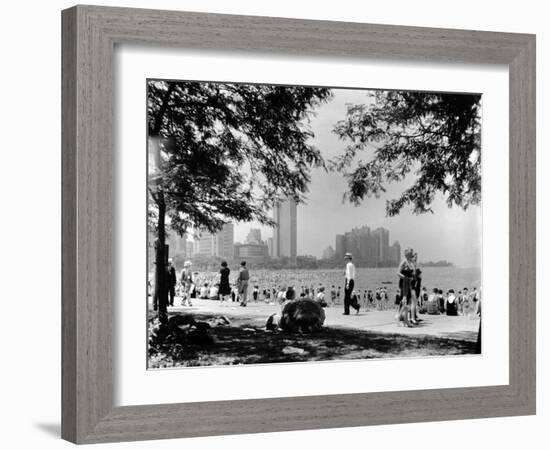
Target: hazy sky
[(449, 233)]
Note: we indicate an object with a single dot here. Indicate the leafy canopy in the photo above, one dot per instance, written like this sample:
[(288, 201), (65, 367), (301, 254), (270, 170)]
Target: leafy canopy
[(230, 151), (436, 136)]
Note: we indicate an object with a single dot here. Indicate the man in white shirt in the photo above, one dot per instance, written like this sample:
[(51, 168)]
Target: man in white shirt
[(350, 284)]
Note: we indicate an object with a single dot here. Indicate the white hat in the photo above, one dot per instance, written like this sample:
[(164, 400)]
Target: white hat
[(348, 255), (187, 263)]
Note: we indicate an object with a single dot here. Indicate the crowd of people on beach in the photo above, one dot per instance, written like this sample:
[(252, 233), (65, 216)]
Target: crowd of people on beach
[(411, 298)]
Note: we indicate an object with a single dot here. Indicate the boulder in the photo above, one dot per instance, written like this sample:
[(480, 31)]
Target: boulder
[(302, 315)]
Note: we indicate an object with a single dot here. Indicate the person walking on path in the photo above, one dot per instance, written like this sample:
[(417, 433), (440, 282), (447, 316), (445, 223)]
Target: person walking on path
[(186, 281), (349, 285), (242, 283)]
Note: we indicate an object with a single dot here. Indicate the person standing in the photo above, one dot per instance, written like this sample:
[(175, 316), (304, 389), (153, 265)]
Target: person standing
[(406, 274), (186, 281), (171, 274), (242, 283), (225, 288), (349, 285)]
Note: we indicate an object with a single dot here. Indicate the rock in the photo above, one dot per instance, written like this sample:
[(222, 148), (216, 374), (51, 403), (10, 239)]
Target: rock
[(302, 315), (289, 350)]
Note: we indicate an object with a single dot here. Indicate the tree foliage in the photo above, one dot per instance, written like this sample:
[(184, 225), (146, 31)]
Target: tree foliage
[(435, 136), (229, 152)]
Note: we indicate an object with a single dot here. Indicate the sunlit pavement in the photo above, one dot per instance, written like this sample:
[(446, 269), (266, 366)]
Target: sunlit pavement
[(256, 314)]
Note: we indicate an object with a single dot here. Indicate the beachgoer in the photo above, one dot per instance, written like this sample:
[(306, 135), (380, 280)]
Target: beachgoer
[(349, 275), (172, 280), (225, 288), (406, 274), (242, 283), (451, 303)]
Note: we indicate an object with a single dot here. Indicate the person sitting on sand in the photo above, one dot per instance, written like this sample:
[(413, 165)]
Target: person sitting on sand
[(451, 303), (204, 291), (320, 297), (432, 305), (441, 301), (213, 293)]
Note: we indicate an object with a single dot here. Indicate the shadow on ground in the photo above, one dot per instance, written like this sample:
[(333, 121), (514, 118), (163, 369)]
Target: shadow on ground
[(244, 342)]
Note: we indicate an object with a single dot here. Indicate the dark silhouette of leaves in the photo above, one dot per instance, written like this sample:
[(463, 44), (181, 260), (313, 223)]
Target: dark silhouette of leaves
[(436, 136)]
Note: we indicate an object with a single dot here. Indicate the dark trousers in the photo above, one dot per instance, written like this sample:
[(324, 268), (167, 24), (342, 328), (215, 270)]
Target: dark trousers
[(171, 295), (348, 289)]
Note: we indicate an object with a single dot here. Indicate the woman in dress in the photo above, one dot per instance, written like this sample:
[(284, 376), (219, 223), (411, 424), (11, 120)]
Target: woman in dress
[(225, 288), (406, 274)]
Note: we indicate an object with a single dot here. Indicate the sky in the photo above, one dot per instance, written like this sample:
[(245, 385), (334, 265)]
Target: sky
[(448, 234)]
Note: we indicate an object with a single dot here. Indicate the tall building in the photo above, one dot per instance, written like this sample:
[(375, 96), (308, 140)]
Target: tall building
[(285, 231), (328, 253), (177, 245), (369, 248), (254, 236), (219, 244), (340, 247), (395, 253), (270, 246), (383, 244), (250, 251), (225, 240)]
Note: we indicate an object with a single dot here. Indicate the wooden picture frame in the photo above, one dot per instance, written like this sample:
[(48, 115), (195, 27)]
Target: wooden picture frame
[(90, 34)]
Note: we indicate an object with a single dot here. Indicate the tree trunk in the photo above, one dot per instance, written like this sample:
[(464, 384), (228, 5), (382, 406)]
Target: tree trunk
[(161, 274)]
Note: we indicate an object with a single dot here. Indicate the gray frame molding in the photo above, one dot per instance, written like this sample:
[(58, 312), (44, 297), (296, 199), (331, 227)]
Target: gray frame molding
[(89, 36)]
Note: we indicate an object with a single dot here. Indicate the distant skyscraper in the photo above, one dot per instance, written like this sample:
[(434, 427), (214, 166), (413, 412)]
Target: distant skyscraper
[(395, 253), (219, 244), (285, 231), (254, 236), (370, 248), (384, 244), (328, 253), (340, 247), (225, 239)]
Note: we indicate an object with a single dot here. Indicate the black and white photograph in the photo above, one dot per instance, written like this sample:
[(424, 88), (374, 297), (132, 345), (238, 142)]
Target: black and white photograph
[(295, 224)]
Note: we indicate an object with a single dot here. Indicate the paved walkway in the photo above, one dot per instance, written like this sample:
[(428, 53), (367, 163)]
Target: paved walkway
[(459, 327)]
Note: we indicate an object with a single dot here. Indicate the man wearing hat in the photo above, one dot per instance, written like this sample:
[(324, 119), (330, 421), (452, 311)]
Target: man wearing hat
[(350, 284)]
